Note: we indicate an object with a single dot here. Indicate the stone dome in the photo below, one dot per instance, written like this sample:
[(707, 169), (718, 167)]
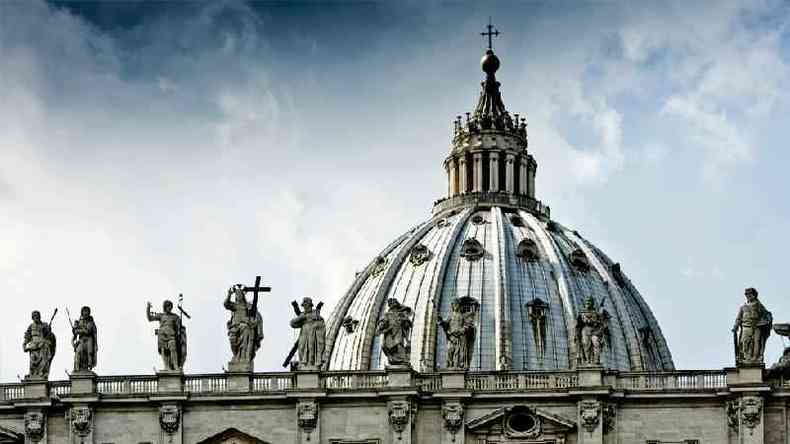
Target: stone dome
[(493, 247)]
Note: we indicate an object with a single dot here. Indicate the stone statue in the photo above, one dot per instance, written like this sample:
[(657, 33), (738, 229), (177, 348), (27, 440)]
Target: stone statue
[(395, 326), (754, 322), (592, 333), (40, 343), (460, 332), (84, 342), (171, 336), (783, 365), (245, 328), (312, 336)]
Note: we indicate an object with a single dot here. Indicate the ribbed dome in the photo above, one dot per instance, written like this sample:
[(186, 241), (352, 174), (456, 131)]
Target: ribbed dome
[(492, 246), (524, 258)]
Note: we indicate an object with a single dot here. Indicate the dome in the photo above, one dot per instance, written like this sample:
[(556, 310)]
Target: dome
[(491, 246)]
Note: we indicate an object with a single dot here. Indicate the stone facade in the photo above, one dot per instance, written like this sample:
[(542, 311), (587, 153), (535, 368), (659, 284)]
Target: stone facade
[(401, 407)]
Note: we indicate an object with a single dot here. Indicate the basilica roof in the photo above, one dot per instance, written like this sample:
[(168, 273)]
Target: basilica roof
[(492, 244)]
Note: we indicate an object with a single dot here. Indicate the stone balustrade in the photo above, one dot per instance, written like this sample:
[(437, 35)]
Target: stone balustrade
[(141, 386)]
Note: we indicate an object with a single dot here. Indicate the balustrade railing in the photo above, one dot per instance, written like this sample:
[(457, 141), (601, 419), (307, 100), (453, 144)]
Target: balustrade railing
[(274, 382), (354, 381), (429, 382), (680, 380), (10, 392), (60, 388), (126, 385), (514, 381), (205, 384)]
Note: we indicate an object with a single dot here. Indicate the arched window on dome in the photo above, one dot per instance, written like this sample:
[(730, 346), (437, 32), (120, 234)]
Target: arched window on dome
[(527, 250)]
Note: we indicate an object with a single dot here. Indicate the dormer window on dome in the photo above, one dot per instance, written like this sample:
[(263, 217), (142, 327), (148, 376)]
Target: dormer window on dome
[(527, 250), (472, 249), (579, 260)]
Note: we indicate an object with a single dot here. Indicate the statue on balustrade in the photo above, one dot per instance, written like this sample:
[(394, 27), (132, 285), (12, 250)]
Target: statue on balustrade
[(171, 336), (395, 326), (84, 342), (312, 335), (754, 323), (40, 344), (591, 333), (245, 328), (459, 330)]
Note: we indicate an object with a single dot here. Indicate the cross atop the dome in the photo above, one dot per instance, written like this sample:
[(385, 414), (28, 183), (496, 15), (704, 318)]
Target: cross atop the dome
[(490, 34)]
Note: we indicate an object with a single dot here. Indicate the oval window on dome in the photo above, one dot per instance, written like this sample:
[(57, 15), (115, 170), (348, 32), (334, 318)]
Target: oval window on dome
[(472, 249), (527, 250), (517, 221), (420, 254), (478, 219)]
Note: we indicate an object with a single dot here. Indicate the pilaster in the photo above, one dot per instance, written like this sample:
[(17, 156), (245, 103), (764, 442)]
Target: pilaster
[(493, 172), (462, 175), (400, 376), (589, 420), (510, 161), (170, 382), (452, 186), (308, 380), (83, 383), (36, 388), (477, 174), (745, 416), (522, 181)]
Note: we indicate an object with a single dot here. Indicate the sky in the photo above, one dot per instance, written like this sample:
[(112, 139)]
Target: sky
[(150, 148)]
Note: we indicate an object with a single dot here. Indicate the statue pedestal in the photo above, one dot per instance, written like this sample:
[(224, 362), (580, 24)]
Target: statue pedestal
[(750, 373), (83, 383), (591, 376), (36, 388), (239, 381), (453, 379), (399, 376), (308, 380), (170, 381)]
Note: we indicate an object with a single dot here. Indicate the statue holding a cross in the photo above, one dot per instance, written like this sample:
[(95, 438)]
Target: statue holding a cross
[(245, 327)]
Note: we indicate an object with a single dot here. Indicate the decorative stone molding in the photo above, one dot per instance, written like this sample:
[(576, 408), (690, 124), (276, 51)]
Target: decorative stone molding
[(453, 414), (307, 417), (522, 422), (732, 409), (35, 425), (751, 411), (81, 419), (398, 413), (169, 418), (420, 254), (590, 414), (609, 416)]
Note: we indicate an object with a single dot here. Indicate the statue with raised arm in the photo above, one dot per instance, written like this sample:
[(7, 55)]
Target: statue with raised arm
[(40, 343), (171, 336), (395, 326), (84, 342), (754, 323), (591, 333), (245, 328), (312, 336), (459, 330)]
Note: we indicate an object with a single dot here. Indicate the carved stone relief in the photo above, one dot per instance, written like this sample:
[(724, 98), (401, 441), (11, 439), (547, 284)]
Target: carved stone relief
[(453, 414), (379, 266), (169, 418), (35, 425), (590, 415), (307, 416), (398, 413), (751, 411), (81, 420)]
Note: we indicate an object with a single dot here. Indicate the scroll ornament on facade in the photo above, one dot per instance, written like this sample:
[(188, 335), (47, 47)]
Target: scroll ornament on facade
[(609, 415), (80, 418), (453, 414), (307, 416), (590, 415), (169, 419), (399, 416), (34, 426)]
